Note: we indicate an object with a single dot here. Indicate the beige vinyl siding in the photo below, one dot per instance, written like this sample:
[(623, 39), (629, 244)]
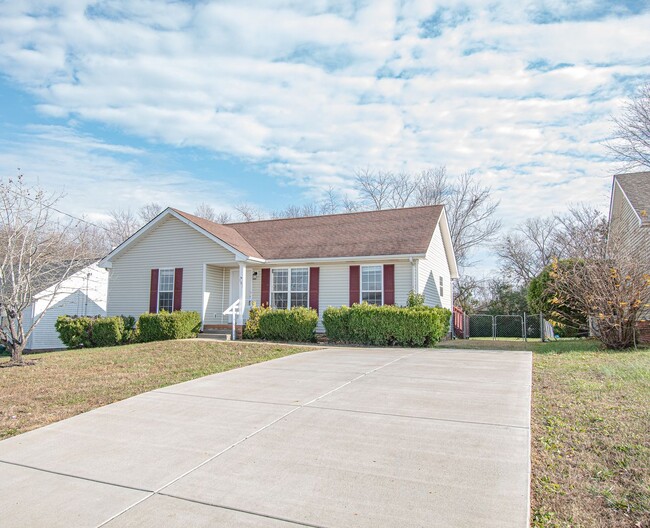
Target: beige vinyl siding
[(334, 283), (625, 224), (217, 286), (430, 269), (170, 244)]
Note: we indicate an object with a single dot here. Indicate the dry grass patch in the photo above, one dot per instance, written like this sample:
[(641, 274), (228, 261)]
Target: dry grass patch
[(591, 440), (62, 384)]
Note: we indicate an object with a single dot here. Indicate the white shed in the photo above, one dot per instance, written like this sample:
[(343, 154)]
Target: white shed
[(83, 293)]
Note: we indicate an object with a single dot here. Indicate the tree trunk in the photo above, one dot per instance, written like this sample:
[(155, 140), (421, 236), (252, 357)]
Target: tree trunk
[(17, 353)]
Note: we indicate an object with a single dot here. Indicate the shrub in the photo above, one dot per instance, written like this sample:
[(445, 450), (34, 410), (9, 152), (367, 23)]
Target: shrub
[(296, 324), (87, 332), (252, 328), (164, 326), (107, 331), (74, 332), (415, 299), (130, 332), (367, 324)]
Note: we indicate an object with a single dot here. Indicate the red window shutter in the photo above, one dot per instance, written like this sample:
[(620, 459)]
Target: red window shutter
[(355, 289), (153, 292), (266, 287), (178, 288), (389, 283), (314, 276)]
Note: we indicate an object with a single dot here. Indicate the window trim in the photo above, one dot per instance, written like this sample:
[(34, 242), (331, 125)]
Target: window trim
[(160, 270), (288, 291), (381, 282)]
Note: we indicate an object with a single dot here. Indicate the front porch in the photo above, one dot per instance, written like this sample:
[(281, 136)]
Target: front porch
[(222, 286)]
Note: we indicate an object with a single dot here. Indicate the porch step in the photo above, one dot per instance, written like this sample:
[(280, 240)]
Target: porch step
[(215, 336)]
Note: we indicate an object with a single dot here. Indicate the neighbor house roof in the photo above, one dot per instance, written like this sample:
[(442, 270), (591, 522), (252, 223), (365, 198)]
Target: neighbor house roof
[(636, 188), (406, 231)]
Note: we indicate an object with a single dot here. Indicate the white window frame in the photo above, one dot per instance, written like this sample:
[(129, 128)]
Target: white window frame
[(381, 282), (288, 291), (160, 270)]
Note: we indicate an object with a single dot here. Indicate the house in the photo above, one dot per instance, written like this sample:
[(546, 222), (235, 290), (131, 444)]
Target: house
[(629, 212), (82, 293), (180, 261), (629, 222)]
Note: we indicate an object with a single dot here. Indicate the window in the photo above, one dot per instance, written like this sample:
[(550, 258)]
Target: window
[(442, 288), (290, 287), (372, 284), (166, 290)]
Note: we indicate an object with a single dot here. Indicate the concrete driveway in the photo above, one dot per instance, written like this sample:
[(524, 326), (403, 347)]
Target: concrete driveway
[(330, 438)]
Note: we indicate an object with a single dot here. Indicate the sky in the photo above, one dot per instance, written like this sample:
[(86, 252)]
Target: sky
[(119, 103)]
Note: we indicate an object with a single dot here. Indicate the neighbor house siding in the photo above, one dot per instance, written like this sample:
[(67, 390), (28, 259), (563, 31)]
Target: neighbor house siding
[(625, 224), (430, 269), (171, 244), (70, 299)]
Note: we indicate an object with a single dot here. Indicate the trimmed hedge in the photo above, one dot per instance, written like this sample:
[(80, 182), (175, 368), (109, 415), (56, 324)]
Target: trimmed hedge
[(252, 328), (296, 324), (164, 326), (366, 324), (89, 332)]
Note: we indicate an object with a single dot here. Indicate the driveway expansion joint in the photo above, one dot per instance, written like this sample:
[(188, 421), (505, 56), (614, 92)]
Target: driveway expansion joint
[(270, 424)]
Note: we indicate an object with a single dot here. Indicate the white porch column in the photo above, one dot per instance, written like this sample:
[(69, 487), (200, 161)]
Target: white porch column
[(242, 293), (204, 305)]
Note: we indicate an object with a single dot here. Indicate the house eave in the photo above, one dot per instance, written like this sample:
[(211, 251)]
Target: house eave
[(344, 259)]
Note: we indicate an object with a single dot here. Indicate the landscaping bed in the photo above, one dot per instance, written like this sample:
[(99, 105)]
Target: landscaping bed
[(62, 384), (590, 433)]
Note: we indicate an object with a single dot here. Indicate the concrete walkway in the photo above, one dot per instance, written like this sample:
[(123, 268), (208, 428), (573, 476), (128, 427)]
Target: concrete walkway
[(331, 438)]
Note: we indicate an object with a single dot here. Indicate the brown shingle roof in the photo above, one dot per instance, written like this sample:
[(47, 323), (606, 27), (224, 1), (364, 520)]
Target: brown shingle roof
[(405, 231), (636, 186)]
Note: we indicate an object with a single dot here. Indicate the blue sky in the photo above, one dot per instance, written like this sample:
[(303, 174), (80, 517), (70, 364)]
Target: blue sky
[(119, 103)]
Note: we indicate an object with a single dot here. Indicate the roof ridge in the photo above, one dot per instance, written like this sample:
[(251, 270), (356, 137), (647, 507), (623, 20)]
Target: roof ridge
[(371, 211)]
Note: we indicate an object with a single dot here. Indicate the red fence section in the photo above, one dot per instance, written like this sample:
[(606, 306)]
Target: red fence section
[(459, 322)]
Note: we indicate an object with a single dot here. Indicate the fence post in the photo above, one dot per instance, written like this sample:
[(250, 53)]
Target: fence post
[(494, 328), (525, 323), (541, 327)]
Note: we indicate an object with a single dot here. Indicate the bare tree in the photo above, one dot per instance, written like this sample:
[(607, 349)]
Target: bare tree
[(528, 249), (331, 203), (121, 225), (375, 188), (206, 211), (614, 291), (38, 251), (248, 212), (469, 204), (404, 187), (149, 211), (631, 143), (582, 232), (223, 218), (470, 210)]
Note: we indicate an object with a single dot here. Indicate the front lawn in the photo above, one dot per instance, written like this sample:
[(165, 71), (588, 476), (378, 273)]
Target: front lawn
[(62, 384), (590, 433)]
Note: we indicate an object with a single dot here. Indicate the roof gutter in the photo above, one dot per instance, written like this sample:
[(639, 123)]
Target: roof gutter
[(346, 259)]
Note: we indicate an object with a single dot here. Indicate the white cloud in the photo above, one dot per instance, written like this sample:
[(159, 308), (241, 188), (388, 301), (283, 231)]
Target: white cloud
[(293, 87)]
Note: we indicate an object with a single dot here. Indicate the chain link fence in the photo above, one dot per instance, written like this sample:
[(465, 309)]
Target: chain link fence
[(506, 326)]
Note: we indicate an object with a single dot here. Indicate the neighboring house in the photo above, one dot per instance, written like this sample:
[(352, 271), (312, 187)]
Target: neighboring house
[(629, 221), (82, 293), (180, 261)]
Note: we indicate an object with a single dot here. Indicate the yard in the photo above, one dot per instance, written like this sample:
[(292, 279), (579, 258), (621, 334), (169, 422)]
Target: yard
[(590, 434), (62, 384)]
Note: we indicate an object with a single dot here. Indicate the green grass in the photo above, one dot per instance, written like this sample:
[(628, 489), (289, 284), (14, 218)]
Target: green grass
[(590, 433), (61, 384)]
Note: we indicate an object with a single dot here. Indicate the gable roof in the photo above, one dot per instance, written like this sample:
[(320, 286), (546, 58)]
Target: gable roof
[(390, 232), (636, 189)]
